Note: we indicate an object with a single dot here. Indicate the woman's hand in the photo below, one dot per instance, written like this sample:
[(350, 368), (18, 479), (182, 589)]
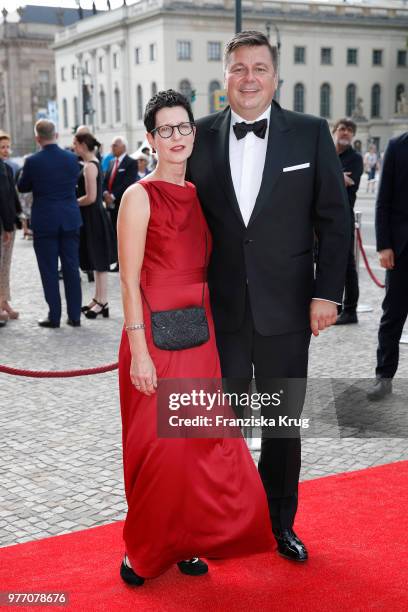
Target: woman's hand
[(143, 374)]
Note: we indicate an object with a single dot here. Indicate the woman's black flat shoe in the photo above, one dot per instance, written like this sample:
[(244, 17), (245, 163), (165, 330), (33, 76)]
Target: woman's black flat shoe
[(193, 567), (92, 314), (129, 576)]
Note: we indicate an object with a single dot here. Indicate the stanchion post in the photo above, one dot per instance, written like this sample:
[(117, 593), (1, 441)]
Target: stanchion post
[(357, 226)]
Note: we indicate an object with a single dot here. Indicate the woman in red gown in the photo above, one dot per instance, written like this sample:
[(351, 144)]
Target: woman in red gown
[(186, 496)]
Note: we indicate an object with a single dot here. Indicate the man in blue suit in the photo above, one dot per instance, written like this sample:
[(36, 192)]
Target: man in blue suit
[(51, 175)]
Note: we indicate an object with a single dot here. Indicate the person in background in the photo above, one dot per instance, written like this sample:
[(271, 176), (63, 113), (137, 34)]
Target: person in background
[(6, 310), (121, 174), (142, 163), (51, 175), (6, 218), (26, 202), (152, 161), (371, 167), (344, 131), (95, 252)]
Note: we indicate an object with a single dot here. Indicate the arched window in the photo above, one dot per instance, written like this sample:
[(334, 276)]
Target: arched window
[(213, 86), (376, 101), (65, 112), (299, 98), (154, 88), (351, 96), (76, 111), (399, 90), (186, 89), (325, 101), (139, 99), (102, 105), (117, 104)]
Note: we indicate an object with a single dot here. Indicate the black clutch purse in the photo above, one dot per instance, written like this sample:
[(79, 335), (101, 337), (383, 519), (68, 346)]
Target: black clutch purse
[(180, 328)]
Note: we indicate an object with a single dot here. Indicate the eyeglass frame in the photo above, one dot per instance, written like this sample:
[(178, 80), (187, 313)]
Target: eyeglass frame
[(173, 127)]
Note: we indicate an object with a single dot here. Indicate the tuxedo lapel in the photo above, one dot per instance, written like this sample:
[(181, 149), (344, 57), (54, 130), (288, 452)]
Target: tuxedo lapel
[(221, 127), (276, 153)]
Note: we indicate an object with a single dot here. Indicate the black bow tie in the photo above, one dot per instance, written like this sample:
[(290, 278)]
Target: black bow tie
[(258, 128)]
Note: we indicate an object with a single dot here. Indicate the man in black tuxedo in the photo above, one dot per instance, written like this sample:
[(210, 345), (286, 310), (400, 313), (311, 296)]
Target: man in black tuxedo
[(121, 174), (391, 224), (269, 181)]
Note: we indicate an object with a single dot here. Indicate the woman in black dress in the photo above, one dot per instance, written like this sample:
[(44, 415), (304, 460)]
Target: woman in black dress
[(95, 249)]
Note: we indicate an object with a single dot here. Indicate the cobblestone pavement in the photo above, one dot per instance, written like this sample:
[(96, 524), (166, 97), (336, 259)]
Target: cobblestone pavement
[(60, 444)]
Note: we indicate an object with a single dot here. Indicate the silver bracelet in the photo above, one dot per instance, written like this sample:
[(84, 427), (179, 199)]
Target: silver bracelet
[(135, 326)]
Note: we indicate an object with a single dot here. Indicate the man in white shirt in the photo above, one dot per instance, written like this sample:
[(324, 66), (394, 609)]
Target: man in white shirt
[(269, 181)]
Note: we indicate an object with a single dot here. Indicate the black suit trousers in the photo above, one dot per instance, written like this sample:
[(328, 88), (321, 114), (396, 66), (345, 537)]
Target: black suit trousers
[(395, 311), (245, 354)]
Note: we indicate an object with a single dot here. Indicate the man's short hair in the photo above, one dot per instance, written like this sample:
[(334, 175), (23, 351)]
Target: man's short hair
[(45, 129), (122, 140), (5, 136), (349, 123), (250, 38)]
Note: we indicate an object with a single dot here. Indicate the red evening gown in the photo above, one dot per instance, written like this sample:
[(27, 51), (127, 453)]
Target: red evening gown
[(186, 497)]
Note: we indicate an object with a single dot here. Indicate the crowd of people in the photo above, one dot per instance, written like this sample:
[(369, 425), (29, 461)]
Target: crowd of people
[(253, 208), (77, 198)]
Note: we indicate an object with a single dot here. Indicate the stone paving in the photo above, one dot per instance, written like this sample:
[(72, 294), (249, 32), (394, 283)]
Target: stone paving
[(60, 444)]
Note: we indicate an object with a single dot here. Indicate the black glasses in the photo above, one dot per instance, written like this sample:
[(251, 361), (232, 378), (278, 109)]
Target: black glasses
[(166, 131)]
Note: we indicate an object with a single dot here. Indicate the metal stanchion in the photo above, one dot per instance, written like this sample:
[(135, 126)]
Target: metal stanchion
[(358, 216)]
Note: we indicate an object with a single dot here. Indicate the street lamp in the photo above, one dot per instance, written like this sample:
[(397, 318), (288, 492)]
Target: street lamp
[(278, 48)]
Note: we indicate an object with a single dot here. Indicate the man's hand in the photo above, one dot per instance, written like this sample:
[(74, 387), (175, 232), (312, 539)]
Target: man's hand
[(322, 314), (6, 237), (347, 180), (387, 259), (107, 197)]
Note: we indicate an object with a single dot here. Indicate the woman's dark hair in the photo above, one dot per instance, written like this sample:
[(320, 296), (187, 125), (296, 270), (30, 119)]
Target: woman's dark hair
[(89, 140), (165, 99)]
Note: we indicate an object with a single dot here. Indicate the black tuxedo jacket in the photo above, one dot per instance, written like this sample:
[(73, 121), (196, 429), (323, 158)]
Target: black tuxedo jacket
[(391, 220), (273, 256), (126, 175), (9, 203)]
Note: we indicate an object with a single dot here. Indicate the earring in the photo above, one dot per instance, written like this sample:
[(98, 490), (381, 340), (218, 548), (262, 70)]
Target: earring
[(153, 150)]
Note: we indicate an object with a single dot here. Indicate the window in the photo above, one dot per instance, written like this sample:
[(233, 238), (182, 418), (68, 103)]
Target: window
[(73, 72), (153, 52), (300, 55), (351, 93), (213, 87), (117, 104), (377, 57), (401, 58), (63, 73), (214, 51), (183, 50), (376, 101), (138, 55), (352, 57), (299, 98), (399, 91), (102, 104), (325, 100), (186, 89), (115, 60), (139, 99), (100, 63), (65, 113), (43, 85), (86, 67), (154, 88), (326, 55), (76, 110)]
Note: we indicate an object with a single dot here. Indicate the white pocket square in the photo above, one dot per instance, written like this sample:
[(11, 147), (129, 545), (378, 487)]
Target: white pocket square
[(298, 167), (121, 169)]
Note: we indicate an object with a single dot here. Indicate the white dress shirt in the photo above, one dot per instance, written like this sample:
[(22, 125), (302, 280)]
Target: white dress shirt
[(247, 161)]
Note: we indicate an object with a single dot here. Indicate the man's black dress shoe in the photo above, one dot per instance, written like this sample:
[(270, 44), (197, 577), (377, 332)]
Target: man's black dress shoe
[(381, 388), (347, 317), (48, 323), (129, 576), (73, 323), (193, 567), (289, 545)]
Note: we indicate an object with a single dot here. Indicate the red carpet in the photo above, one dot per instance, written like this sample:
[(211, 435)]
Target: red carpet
[(355, 526)]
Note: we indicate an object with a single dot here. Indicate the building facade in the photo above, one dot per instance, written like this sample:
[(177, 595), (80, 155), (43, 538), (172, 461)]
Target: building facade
[(336, 60)]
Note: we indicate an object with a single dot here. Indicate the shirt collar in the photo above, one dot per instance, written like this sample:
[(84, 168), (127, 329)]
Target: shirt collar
[(120, 159), (235, 118)]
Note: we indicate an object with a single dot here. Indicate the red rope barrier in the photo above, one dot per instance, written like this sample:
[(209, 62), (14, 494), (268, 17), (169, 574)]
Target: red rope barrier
[(367, 265), (61, 374)]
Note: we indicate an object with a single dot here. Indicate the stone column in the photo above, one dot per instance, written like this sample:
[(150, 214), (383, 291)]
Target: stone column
[(109, 91)]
